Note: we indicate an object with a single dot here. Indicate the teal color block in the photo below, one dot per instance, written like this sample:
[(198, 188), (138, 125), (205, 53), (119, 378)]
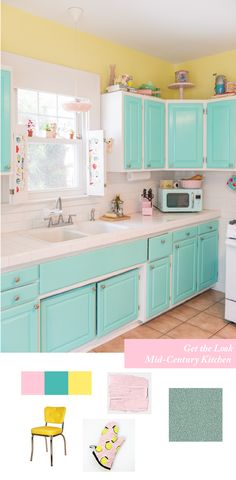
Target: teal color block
[(56, 383), (195, 415)]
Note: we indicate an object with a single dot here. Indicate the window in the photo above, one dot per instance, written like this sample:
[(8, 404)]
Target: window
[(54, 158)]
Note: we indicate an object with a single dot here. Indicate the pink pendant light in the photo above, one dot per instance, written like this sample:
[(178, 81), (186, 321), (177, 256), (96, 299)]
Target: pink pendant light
[(78, 105)]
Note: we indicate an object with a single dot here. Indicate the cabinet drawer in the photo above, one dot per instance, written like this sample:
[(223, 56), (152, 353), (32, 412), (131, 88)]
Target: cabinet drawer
[(208, 227), (17, 296), (71, 270), (184, 234), (19, 277), (160, 247)]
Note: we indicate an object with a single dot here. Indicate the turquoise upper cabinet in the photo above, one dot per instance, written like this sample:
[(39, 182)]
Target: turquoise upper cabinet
[(185, 135), (19, 328), (184, 280), (5, 120), (207, 260), (154, 134), (132, 132), (117, 302), (68, 320), (158, 286), (221, 136)]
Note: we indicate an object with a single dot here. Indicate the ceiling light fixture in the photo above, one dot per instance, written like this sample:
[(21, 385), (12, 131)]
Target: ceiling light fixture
[(78, 105)]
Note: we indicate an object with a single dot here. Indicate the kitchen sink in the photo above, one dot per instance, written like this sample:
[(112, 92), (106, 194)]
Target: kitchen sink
[(57, 234), (97, 227)]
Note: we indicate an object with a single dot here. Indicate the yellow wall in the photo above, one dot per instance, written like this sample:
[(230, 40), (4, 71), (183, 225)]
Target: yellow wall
[(202, 69), (36, 37)]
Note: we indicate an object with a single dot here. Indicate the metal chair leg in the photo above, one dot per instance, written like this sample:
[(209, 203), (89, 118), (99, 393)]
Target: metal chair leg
[(46, 443), (64, 443), (32, 448), (51, 451)]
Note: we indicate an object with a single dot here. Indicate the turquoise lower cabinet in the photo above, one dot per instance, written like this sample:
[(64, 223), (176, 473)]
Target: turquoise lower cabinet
[(132, 132), (207, 260), (184, 279), (5, 120), (185, 135), (68, 320), (117, 302), (221, 138), (158, 286), (19, 328), (154, 134)]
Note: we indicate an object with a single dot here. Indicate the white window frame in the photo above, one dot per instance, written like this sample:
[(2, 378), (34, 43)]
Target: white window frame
[(82, 125)]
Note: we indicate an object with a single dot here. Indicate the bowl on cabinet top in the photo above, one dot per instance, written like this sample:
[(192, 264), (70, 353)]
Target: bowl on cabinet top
[(191, 184)]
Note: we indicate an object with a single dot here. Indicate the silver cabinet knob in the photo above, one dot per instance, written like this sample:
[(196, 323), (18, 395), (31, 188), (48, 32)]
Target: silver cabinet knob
[(36, 306), (103, 286), (17, 279), (211, 227), (163, 241), (187, 233), (94, 289), (17, 297), (152, 267)]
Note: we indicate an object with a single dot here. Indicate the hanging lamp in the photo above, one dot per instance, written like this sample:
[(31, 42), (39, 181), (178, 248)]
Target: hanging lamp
[(78, 105)]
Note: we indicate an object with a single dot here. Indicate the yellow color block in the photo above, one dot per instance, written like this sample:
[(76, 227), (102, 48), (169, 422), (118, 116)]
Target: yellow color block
[(79, 383)]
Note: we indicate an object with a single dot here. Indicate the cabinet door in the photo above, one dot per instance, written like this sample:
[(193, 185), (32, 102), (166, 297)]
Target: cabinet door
[(68, 320), (117, 302), (207, 260), (185, 135), (184, 269), (154, 134), (132, 132), (5, 121), (158, 287), (221, 138), (19, 328)]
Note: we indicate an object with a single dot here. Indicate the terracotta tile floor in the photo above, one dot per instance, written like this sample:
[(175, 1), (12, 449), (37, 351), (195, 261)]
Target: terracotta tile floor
[(201, 317)]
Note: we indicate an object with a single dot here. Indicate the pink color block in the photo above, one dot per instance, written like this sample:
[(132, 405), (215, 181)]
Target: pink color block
[(32, 383)]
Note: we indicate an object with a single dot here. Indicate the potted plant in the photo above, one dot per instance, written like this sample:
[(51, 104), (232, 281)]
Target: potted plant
[(71, 133), (30, 128), (51, 130)]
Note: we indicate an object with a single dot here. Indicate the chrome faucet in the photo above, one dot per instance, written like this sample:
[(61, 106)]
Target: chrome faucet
[(57, 211), (58, 204), (92, 215)]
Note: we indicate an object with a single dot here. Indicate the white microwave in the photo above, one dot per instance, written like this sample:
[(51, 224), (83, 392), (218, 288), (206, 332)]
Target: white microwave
[(179, 200)]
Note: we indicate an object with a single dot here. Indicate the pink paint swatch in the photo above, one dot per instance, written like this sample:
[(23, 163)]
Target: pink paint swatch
[(32, 383), (128, 393)]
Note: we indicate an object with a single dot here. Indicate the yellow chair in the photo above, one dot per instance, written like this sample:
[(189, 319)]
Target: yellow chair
[(53, 415)]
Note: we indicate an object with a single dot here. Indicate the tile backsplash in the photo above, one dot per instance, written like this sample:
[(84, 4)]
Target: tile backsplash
[(217, 196)]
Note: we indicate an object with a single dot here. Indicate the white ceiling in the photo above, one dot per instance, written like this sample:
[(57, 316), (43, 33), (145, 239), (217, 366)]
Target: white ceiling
[(175, 30)]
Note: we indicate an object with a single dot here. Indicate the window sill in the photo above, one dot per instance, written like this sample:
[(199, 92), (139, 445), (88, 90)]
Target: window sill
[(58, 140)]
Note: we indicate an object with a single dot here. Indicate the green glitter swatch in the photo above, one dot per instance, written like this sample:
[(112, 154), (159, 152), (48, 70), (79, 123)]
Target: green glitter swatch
[(195, 414)]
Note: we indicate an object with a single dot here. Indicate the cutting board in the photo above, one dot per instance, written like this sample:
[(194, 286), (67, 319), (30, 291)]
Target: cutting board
[(117, 219)]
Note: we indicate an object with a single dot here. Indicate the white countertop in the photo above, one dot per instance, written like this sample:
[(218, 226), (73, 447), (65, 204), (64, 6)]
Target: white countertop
[(20, 249)]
